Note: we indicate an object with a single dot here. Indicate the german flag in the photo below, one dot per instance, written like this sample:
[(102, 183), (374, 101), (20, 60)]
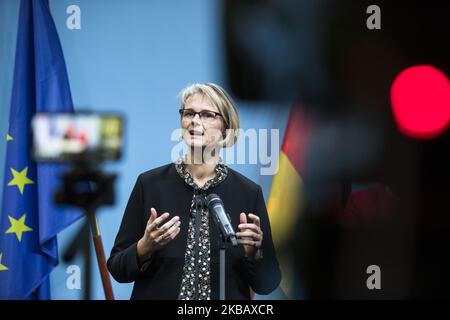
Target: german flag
[(286, 200)]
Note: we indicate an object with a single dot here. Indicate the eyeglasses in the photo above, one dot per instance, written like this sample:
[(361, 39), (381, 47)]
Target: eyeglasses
[(207, 116)]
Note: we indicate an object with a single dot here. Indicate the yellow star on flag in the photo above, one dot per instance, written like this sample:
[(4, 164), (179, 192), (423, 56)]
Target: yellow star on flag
[(20, 179), (18, 226), (9, 138), (2, 267)]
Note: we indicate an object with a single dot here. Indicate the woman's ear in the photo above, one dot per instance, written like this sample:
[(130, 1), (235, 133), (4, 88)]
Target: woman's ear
[(224, 136)]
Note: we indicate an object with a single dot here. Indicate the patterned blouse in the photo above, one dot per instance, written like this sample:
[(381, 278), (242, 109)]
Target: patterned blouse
[(196, 283)]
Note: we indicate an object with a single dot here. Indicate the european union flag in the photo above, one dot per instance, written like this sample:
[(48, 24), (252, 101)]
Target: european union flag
[(29, 222)]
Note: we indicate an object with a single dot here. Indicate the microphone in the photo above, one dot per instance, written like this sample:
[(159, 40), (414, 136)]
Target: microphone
[(216, 208)]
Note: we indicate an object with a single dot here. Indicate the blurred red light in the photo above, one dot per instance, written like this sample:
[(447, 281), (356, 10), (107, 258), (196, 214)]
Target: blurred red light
[(420, 98)]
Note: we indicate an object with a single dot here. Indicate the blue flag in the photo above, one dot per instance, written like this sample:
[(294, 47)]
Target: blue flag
[(29, 221)]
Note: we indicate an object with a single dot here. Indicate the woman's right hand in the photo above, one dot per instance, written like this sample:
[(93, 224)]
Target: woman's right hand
[(157, 234)]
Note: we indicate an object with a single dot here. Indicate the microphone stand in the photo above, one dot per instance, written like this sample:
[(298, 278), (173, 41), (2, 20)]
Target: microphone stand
[(222, 221), (222, 250), (222, 247)]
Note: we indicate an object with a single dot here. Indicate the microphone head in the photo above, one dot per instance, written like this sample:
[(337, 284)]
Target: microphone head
[(221, 218), (213, 199)]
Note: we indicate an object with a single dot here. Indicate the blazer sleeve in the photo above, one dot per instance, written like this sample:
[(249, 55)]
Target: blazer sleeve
[(123, 262), (264, 274)]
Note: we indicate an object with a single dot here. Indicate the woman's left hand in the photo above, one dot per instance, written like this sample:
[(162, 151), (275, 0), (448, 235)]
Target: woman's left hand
[(250, 235)]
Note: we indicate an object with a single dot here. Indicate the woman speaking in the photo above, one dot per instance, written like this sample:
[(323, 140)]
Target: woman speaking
[(168, 243)]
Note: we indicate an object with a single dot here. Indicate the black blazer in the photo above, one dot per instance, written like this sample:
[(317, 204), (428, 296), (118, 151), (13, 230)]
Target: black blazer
[(160, 277)]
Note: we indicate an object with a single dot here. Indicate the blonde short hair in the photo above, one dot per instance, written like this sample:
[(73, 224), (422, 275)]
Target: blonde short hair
[(222, 101)]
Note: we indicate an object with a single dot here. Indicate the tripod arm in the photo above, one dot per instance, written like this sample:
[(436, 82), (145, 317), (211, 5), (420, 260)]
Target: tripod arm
[(101, 259)]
